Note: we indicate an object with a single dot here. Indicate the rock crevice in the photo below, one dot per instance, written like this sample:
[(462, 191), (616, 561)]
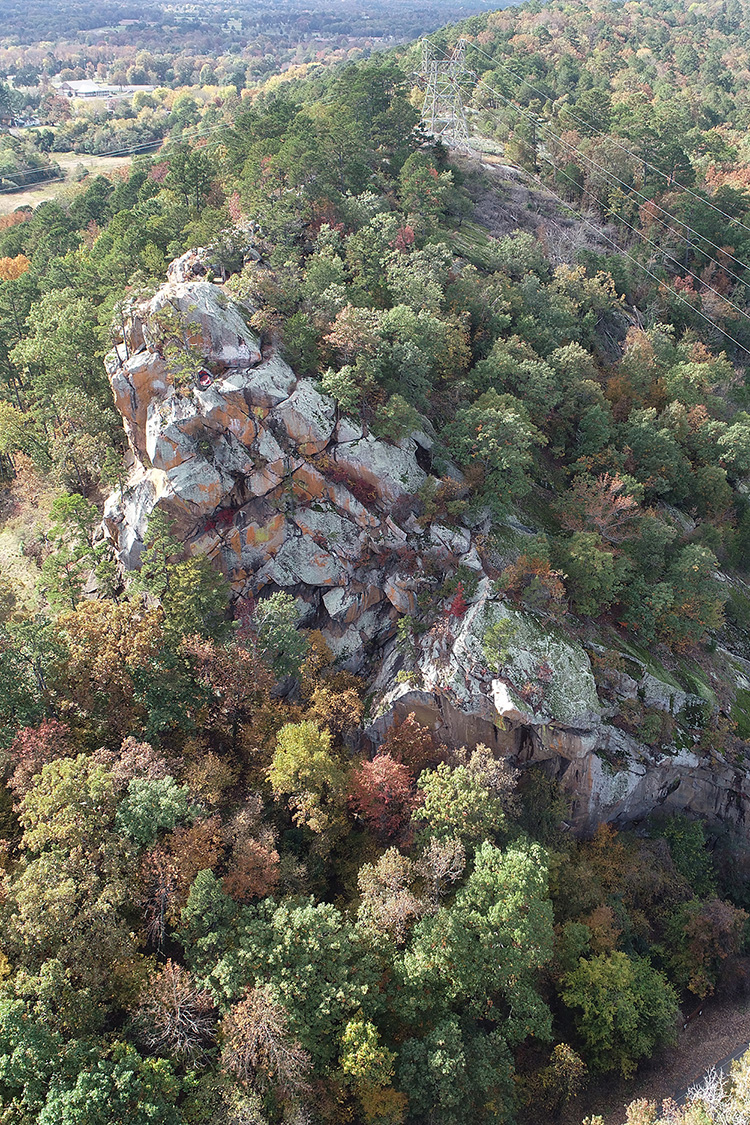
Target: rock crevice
[(257, 470)]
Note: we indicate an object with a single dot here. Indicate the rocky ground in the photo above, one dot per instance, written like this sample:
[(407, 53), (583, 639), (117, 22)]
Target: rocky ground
[(259, 470)]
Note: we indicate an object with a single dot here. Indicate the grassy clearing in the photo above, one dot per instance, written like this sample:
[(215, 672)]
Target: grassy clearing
[(69, 162)]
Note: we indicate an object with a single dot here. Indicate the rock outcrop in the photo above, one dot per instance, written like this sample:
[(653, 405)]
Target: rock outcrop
[(543, 707), (258, 470)]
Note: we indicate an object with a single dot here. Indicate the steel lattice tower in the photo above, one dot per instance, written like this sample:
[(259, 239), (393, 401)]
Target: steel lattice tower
[(443, 113)]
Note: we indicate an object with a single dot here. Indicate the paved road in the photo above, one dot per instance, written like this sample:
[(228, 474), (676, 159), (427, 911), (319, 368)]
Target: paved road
[(724, 1064)]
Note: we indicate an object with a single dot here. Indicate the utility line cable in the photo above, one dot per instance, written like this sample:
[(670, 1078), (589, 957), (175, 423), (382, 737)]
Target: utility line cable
[(630, 188), (583, 156), (601, 133), (600, 234), (124, 152), (640, 234), (624, 253)]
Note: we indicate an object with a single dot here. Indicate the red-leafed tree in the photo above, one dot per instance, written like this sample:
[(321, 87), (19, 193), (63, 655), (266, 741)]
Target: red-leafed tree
[(169, 868), (382, 794), (253, 871), (409, 742), (603, 505), (32, 748)]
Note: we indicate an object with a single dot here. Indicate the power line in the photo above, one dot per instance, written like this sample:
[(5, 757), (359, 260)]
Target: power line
[(615, 245), (661, 250), (640, 234), (121, 152), (583, 156), (641, 195), (623, 252), (600, 234), (601, 133), (36, 183)]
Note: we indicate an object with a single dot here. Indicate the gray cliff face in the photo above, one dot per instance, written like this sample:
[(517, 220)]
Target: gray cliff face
[(260, 473)]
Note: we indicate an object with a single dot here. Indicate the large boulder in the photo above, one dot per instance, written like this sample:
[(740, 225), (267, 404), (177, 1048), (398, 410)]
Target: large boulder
[(258, 471), (252, 463)]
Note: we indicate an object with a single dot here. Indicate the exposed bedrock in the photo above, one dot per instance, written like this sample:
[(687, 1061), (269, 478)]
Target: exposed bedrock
[(259, 472)]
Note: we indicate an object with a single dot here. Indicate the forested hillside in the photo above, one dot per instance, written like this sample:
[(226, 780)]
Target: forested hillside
[(309, 835), (188, 66)]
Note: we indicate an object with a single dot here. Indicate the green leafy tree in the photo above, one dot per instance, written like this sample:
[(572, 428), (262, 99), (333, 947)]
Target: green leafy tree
[(497, 433), (49, 1080), (735, 445), (30, 651), (190, 170), (423, 191), (279, 640), (208, 922), (68, 897), (453, 1070), (277, 946), (687, 845), (65, 570), (116, 1086), (306, 771), (456, 803), (197, 600), (150, 805), (481, 954), (514, 367), (363, 1058), (162, 549), (594, 576), (31, 1055), (623, 1009), (193, 594)]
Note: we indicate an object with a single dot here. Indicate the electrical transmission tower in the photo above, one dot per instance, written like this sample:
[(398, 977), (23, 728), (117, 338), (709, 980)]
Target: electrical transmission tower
[(443, 113)]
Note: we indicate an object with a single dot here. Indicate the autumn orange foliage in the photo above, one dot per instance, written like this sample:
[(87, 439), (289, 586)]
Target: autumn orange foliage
[(601, 505), (13, 268)]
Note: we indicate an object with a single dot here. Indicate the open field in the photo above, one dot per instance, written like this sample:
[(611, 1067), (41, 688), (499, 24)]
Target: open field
[(69, 162)]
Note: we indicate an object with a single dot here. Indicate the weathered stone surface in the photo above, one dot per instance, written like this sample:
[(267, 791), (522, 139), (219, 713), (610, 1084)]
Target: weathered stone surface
[(308, 418), (450, 540), (400, 593), (208, 454), (193, 265), (393, 471), (301, 559), (268, 384), (136, 385), (260, 474), (212, 323)]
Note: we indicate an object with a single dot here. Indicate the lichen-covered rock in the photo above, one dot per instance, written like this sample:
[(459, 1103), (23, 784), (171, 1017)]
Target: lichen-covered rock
[(252, 463), (258, 471), (308, 418), (209, 322), (391, 469)]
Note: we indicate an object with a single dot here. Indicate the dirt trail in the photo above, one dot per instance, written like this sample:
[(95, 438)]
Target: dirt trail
[(708, 1040)]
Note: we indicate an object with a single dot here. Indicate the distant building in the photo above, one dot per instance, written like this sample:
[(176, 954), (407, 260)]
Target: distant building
[(89, 89)]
